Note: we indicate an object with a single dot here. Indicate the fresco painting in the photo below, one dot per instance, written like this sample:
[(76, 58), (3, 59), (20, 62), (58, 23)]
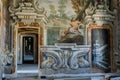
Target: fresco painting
[(60, 13), (64, 19), (60, 36), (101, 49)]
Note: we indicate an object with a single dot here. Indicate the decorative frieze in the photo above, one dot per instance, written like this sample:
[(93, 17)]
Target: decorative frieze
[(100, 14), (28, 12)]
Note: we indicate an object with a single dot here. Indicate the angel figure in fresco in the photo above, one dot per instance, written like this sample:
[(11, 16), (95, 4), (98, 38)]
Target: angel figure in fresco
[(72, 34), (73, 29), (100, 58)]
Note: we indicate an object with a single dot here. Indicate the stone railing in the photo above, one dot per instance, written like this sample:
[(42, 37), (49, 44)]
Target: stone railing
[(66, 59)]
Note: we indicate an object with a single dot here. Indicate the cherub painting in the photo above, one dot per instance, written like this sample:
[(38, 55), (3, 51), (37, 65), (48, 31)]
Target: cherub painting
[(72, 34)]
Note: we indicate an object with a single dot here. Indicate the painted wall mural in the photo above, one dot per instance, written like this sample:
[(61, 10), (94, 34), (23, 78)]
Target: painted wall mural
[(52, 35), (101, 49), (63, 26), (61, 14), (64, 19), (72, 34)]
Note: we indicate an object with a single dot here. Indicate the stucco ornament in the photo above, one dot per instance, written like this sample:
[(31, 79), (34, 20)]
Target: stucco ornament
[(6, 56), (65, 57), (38, 8)]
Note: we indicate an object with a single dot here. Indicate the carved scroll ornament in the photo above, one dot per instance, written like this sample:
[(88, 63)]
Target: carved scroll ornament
[(65, 58), (51, 60)]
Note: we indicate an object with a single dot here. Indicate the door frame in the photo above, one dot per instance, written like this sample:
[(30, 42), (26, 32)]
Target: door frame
[(21, 47), (40, 32)]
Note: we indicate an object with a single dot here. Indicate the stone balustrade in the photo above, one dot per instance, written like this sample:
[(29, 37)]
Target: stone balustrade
[(65, 58)]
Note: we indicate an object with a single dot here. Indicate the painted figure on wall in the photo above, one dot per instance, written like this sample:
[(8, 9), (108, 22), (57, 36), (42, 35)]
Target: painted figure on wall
[(59, 13), (72, 34), (101, 49)]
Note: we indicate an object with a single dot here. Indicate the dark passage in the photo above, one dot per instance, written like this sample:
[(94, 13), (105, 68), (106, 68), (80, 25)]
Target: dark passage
[(28, 49)]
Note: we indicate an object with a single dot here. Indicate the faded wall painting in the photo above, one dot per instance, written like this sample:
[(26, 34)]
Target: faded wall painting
[(101, 49), (61, 27), (52, 35)]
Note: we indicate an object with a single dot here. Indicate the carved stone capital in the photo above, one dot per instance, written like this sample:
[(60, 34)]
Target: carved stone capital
[(28, 12), (102, 16), (6, 57)]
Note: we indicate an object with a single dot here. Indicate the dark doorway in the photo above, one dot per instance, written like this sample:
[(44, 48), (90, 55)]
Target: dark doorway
[(28, 49)]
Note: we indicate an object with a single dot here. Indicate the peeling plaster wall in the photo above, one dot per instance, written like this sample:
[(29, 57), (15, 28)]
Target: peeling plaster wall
[(2, 26), (5, 37)]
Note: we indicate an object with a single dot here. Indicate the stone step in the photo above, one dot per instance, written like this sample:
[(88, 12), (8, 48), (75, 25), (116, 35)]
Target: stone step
[(33, 78), (24, 79)]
